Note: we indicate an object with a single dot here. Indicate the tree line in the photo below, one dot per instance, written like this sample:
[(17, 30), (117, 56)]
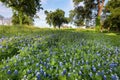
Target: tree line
[(25, 11)]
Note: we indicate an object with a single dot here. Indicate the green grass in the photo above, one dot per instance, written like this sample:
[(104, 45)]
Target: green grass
[(53, 54)]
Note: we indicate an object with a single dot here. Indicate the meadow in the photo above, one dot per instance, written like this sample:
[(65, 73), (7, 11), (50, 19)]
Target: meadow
[(28, 53)]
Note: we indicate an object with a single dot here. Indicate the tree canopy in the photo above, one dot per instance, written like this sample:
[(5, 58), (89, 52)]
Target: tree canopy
[(26, 20), (113, 20), (23, 7), (56, 18), (91, 8)]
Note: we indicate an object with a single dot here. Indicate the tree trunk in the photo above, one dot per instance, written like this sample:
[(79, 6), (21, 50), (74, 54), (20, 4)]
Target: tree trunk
[(59, 26), (20, 18), (100, 7)]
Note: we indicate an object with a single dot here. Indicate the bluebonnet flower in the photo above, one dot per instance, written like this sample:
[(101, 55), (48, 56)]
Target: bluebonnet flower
[(45, 74), (82, 61), (112, 65), (29, 71), (101, 73), (45, 64), (41, 71), (9, 72), (90, 74), (57, 75), (93, 68), (37, 64), (104, 77), (41, 67), (78, 62), (61, 64), (1, 46), (114, 77), (99, 65), (16, 72), (64, 71), (38, 75), (48, 59), (6, 67), (80, 73), (69, 74)]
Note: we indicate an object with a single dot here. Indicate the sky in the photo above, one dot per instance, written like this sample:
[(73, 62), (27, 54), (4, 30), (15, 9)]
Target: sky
[(49, 5)]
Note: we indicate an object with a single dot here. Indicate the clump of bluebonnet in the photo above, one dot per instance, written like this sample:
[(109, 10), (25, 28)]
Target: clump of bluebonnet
[(38, 75), (112, 65), (64, 72), (60, 64), (29, 71), (93, 68), (114, 77), (90, 74), (69, 74), (80, 73), (16, 72), (37, 64), (104, 77), (9, 72)]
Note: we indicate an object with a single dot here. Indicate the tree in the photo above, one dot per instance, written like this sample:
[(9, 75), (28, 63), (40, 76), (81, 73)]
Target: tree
[(77, 16), (113, 20), (26, 20), (56, 18), (89, 7), (23, 7)]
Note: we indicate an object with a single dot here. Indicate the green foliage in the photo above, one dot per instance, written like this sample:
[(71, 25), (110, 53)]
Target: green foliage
[(86, 12), (26, 20), (113, 20), (56, 18)]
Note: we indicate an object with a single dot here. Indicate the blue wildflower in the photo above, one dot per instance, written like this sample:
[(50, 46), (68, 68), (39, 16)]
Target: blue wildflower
[(94, 69), (16, 72), (45, 74), (60, 63), (9, 72), (37, 64), (80, 73), (64, 71), (114, 77), (29, 71), (38, 75), (104, 77), (90, 74), (69, 74), (112, 65)]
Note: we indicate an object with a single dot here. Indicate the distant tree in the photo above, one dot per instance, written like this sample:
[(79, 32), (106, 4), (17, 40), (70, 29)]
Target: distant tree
[(56, 18), (23, 7), (26, 20), (86, 11)]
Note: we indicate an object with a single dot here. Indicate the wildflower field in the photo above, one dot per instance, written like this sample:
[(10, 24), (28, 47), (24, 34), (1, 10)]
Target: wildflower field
[(28, 53)]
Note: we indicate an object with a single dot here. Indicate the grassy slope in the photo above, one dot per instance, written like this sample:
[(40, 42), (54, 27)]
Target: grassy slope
[(55, 39)]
